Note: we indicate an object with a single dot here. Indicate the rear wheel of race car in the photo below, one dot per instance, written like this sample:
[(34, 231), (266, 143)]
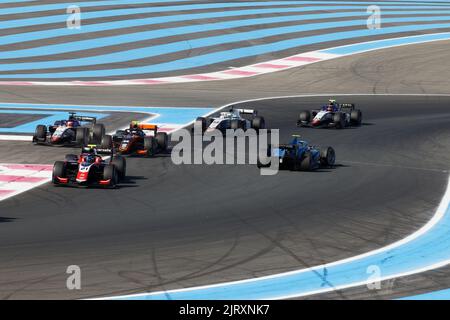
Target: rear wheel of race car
[(356, 117), (339, 120), (258, 123), (150, 145), (305, 164), (59, 170), (106, 142), (82, 136), (110, 173), (162, 140), (327, 157), (41, 132), (305, 116), (121, 166), (98, 131)]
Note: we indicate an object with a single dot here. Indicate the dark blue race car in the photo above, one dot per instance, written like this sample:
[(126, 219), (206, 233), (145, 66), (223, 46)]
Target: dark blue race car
[(299, 155)]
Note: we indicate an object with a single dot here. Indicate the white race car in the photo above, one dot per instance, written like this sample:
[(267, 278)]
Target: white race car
[(232, 119)]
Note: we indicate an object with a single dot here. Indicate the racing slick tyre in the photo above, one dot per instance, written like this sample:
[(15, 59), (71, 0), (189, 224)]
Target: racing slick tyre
[(82, 136), (304, 117), (71, 157), (356, 117), (98, 131), (237, 124), (121, 166), (150, 146), (305, 163), (106, 142), (162, 140), (202, 122), (258, 123), (110, 173), (339, 120), (40, 133), (59, 170), (327, 157)]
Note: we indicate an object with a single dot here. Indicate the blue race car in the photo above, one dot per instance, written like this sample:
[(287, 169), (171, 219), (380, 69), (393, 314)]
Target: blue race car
[(299, 155)]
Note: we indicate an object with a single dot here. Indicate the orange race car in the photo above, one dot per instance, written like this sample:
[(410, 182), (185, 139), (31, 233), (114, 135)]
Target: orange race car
[(141, 139)]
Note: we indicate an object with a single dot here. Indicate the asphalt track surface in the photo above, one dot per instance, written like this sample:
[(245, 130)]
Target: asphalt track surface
[(178, 226)]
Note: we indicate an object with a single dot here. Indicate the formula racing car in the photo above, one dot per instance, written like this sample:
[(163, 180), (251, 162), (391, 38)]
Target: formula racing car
[(232, 119), (299, 155), (141, 139), (338, 115), (89, 169), (70, 132)]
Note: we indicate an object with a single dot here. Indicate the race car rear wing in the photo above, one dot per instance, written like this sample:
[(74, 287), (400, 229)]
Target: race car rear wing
[(82, 118), (147, 126), (98, 149), (248, 111), (347, 105)]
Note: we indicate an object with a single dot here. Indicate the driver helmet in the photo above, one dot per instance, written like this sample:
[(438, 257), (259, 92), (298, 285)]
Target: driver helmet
[(69, 123)]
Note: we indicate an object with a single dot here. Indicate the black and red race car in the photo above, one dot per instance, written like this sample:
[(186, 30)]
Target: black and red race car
[(337, 115), (70, 132), (140, 139), (89, 169)]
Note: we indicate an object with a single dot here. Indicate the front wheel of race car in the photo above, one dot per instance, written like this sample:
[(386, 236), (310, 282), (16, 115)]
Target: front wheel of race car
[(203, 123), (110, 173), (356, 117), (327, 157), (304, 117), (40, 133), (121, 166), (59, 170)]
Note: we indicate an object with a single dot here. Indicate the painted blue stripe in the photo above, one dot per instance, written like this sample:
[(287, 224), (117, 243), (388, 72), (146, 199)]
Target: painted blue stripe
[(435, 295), (87, 4), (117, 25), (63, 6), (430, 248), (48, 119), (211, 58), (177, 116), (61, 18), (148, 35), (18, 1), (386, 43), (146, 52)]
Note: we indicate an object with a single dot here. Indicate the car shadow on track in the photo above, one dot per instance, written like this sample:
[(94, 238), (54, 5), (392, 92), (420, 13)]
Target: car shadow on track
[(6, 219), (130, 182)]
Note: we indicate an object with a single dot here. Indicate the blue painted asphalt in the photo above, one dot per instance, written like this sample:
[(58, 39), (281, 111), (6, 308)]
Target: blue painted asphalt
[(435, 295), (239, 53), (181, 45), (430, 248), (61, 18), (87, 4), (64, 5), (91, 44), (48, 118), (177, 116), (380, 44)]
